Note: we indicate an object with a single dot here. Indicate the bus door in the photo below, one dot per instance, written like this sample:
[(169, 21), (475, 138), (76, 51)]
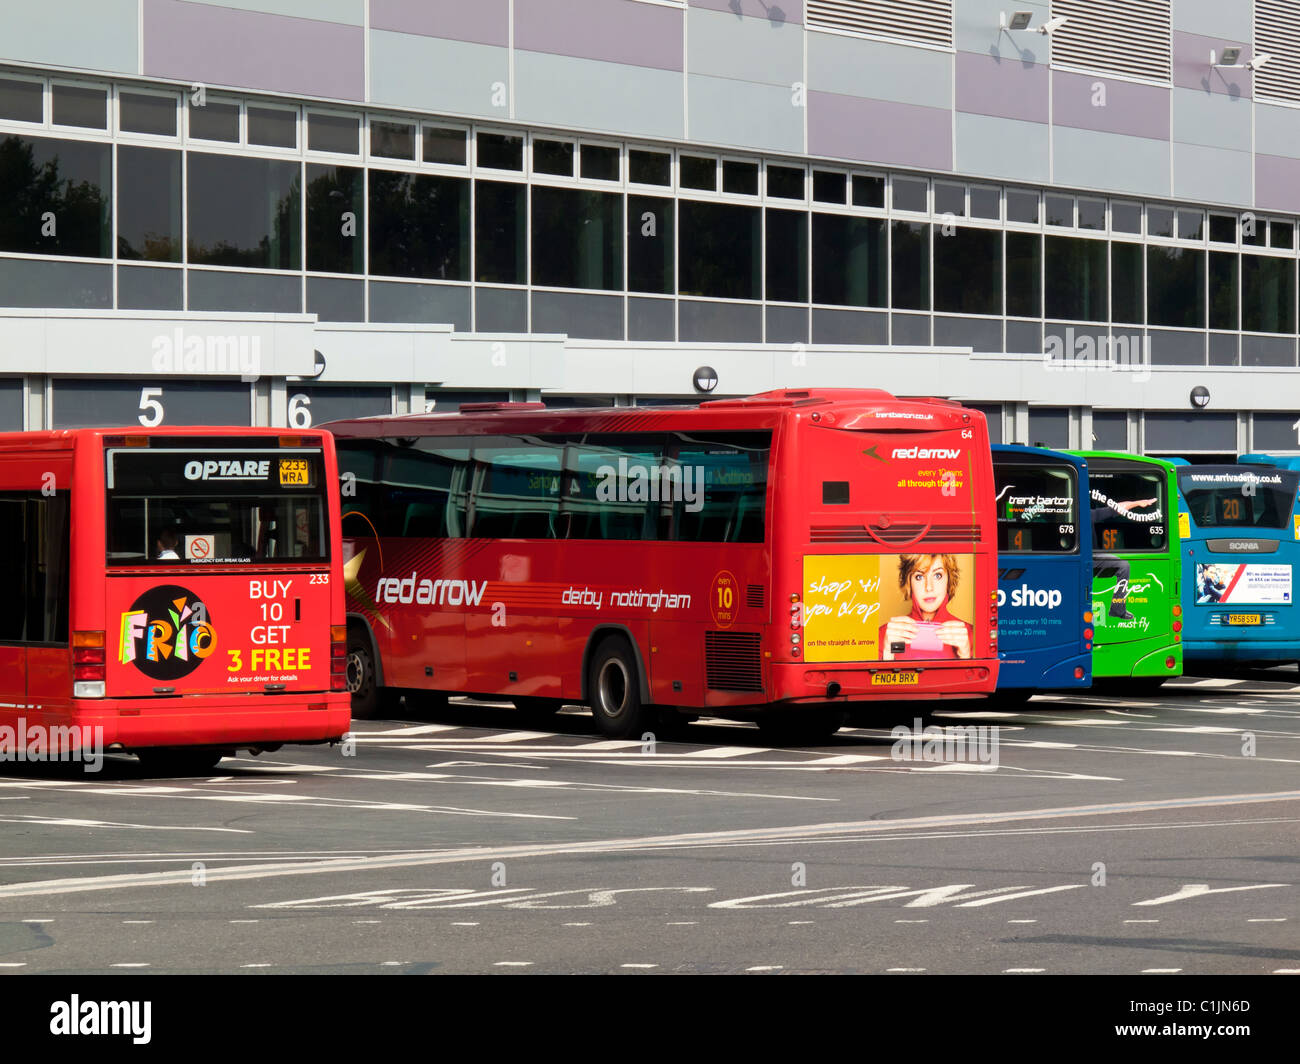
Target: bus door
[(1242, 537), (1044, 570), (218, 568)]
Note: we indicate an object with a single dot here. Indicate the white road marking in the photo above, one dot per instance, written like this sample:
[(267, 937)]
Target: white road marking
[(793, 922), (393, 964), (1022, 921), (1161, 971), (423, 729), (1142, 921), (513, 964), (137, 921), (765, 968), (904, 969), (46, 920), (367, 921), (681, 923), (1022, 971), (255, 966), (583, 924), (13, 964), (638, 966), (609, 744), (1199, 890), (848, 759), (1211, 681), (911, 921), (1286, 971), (135, 964), (461, 923), (245, 921), (1267, 920), (69, 822)]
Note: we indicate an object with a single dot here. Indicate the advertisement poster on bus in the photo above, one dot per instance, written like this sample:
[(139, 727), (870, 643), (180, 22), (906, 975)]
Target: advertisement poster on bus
[(1246, 584), (888, 607), (220, 634), (1129, 598)]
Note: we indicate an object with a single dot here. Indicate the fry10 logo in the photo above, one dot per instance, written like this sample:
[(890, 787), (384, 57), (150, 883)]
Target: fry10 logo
[(167, 633)]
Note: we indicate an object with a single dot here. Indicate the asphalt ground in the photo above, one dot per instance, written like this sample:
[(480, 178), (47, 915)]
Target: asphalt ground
[(1098, 834)]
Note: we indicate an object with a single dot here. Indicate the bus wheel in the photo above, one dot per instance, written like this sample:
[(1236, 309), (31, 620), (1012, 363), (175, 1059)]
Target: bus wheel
[(361, 676), (615, 691), (179, 761), (800, 727)]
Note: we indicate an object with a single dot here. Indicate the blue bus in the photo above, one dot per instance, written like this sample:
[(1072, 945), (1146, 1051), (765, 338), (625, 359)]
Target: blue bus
[(1044, 570), (1240, 527)]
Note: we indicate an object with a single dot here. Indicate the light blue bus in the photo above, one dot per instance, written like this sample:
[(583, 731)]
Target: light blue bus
[(1240, 530)]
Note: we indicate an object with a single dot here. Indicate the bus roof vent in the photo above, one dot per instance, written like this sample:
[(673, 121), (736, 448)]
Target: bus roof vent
[(481, 408)]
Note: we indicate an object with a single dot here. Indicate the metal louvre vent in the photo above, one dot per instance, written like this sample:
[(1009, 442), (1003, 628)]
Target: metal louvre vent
[(733, 661), (895, 533), (922, 21), (754, 596), (1277, 28), (1114, 36)]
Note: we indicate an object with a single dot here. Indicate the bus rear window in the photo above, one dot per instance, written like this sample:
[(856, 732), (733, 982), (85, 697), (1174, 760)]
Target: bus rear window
[(177, 507), (1239, 498), (1129, 510), (1038, 509)]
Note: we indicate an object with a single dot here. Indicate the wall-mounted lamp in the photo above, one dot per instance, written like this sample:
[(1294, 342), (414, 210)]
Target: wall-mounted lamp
[(1020, 20), (1231, 55)]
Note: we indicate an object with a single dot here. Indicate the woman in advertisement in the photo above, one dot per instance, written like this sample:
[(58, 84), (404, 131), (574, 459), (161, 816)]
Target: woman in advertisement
[(929, 582)]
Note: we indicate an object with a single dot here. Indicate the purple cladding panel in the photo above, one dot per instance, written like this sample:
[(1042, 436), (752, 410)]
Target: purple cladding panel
[(616, 31), (1192, 65), (1089, 101), (879, 131), (221, 46), (1277, 183), (474, 21), (776, 13), (1003, 88)]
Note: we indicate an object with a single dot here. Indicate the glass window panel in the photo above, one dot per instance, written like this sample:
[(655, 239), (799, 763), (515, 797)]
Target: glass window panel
[(77, 105), (392, 140), (1191, 225), (1267, 294), (733, 469), (950, 199), (829, 187), (1092, 213), (272, 127), (577, 238), (501, 151), (70, 179), (740, 179), (518, 495), (910, 194), (553, 157), (336, 202), (910, 265), (1024, 275), (1223, 290), (650, 244), (445, 146), (785, 182), (787, 256), (419, 225), (244, 212), (1176, 287), (1160, 221), (1126, 217), (868, 190), (1060, 210), (215, 121), (1022, 206), (1254, 231), (141, 113), (1223, 229), (1076, 279), (850, 264), (1126, 288), (599, 162), (148, 204), (985, 202), (650, 167), (1281, 235), (968, 270), (697, 172), (720, 250), (21, 101), (500, 233)]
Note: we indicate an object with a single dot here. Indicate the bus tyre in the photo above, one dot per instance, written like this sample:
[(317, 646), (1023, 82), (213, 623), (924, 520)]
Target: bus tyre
[(362, 676), (179, 761), (801, 726), (614, 688)]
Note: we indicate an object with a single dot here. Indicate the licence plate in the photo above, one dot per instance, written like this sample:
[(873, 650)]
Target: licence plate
[(895, 679), (1244, 618), (295, 472)]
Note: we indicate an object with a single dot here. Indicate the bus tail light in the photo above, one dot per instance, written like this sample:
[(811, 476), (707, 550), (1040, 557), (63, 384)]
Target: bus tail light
[(338, 657), (1169, 662), (993, 622), (1087, 633), (88, 665), (1078, 672), (1178, 626)]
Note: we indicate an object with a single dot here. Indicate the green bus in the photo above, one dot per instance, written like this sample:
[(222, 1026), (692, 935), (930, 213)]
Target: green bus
[(1136, 611)]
